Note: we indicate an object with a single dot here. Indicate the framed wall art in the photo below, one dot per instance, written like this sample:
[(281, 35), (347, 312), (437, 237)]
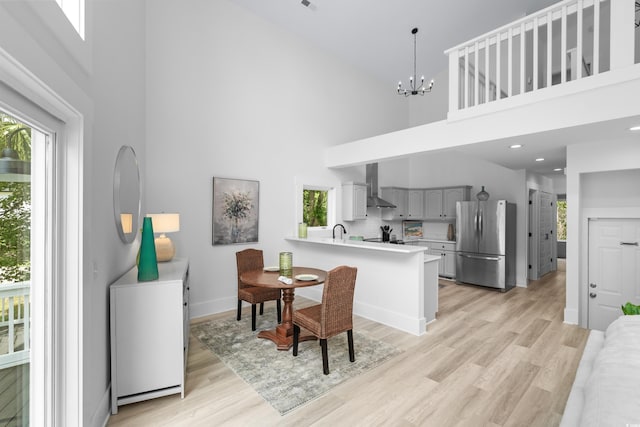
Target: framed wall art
[(235, 211)]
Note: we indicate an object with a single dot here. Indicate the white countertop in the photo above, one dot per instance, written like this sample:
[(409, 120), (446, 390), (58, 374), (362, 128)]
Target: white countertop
[(359, 244)]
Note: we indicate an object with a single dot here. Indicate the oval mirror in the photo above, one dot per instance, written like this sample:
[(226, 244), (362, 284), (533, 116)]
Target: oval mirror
[(126, 194)]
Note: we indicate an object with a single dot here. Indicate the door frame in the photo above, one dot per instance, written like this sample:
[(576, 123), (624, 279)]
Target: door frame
[(553, 232), (56, 379), (533, 230), (591, 222), (586, 215)]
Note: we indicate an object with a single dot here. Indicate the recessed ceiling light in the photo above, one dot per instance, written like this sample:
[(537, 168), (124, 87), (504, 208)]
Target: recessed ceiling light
[(557, 169), (516, 146), (634, 128), (540, 159)]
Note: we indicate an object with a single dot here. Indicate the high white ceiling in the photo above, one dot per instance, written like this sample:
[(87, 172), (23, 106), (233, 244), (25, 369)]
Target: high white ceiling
[(375, 36)]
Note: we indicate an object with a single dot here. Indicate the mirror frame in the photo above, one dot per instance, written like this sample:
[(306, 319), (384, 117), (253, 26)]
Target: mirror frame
[(125, 153)]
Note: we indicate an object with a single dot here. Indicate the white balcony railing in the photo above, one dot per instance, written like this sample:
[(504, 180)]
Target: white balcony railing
[(568, 41), (15, 315)]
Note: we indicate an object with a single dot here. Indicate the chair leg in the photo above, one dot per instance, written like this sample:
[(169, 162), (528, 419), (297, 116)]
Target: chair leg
[(325, 357), (352, 356), (261, 308), (279, 307), (296, 336), (253, 317), (239, 315)]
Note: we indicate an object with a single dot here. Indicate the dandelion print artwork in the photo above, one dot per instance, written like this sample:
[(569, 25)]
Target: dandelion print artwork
[(235, 211)]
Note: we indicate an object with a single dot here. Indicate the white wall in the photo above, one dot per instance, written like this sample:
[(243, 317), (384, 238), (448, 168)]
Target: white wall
[(595, 189), (118, 90), (560, 184), (231, 95), (432, 106)]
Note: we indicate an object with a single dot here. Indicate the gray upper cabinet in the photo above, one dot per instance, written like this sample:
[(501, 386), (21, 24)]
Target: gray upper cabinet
[(399, 197), (423, 204), (440, 203), (433, 204), (415, 209)]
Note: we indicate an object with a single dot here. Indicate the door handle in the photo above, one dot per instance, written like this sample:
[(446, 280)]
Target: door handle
[(629, 243), (592, 295), (593, 285), (484, 258)]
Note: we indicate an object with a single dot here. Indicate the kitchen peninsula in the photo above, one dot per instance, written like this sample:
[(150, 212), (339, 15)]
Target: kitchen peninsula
[(397, 285)]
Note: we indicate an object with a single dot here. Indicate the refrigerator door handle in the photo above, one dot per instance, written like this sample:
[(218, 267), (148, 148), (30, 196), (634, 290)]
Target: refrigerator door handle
[(484, 258), (475, 221)]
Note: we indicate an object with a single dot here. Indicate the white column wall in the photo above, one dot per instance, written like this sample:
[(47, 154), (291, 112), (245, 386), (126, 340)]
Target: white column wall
[(603, 156)]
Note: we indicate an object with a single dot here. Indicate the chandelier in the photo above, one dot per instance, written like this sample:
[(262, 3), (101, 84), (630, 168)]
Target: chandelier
[(414, 89)]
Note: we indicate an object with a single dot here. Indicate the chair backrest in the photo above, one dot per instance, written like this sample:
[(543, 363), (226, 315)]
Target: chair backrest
[(337, 300), (247, 260)]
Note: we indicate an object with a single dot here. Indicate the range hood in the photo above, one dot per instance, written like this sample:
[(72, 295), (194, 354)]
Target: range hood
[(373, 201)]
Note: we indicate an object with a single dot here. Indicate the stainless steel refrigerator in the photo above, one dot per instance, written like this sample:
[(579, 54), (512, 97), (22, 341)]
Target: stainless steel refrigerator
[(486, 243)]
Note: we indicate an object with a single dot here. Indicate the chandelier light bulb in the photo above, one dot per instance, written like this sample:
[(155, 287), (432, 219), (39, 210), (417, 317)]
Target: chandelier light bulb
[(414, 89)]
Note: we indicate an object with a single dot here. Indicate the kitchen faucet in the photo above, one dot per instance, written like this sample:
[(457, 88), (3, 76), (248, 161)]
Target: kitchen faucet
[(344, 230)]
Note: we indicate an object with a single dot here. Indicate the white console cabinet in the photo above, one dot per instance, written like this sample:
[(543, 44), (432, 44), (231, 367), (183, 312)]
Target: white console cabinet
[(149, 334)]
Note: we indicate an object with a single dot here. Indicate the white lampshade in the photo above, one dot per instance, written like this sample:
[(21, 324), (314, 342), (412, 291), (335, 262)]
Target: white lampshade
[(165, 223)]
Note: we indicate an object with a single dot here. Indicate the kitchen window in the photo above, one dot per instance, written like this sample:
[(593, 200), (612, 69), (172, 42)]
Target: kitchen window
[(318, 206), (314, 203)]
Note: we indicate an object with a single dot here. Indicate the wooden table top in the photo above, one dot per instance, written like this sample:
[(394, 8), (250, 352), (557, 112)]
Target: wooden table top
[(269, 279)]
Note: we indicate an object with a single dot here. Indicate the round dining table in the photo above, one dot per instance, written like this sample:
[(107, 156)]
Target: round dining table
[(282, 335)]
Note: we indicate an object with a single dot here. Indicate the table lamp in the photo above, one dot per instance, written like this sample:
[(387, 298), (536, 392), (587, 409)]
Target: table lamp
[(165, 223)]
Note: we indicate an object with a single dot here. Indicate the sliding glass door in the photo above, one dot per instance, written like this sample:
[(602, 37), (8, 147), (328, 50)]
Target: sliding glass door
[(25, 215)]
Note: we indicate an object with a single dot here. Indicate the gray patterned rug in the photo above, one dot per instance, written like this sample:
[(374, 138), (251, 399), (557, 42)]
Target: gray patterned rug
[(284, 381)]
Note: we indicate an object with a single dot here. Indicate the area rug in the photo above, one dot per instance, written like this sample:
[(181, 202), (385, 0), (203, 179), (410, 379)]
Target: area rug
[(284, 381)]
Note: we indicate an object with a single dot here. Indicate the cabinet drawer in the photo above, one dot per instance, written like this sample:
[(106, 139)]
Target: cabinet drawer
[(440, 246)]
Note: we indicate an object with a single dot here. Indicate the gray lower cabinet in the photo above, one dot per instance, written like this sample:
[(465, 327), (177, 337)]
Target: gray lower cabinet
[(149, 334), (447, 253), (445, 250)]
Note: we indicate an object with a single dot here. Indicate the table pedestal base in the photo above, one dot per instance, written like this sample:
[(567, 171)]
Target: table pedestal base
[(284, 342)]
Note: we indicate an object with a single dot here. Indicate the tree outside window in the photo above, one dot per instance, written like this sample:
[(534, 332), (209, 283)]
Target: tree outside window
[(15, 206), (562, 220), (315, 207)]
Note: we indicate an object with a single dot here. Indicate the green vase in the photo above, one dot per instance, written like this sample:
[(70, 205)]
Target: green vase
[(286, 264), (147, 263)]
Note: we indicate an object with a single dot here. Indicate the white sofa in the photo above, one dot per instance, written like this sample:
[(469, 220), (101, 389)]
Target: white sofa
[(606, 390)]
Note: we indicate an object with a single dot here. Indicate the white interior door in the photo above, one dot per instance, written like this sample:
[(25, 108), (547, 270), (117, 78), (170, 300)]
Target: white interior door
[(546, 238), (614, 275)]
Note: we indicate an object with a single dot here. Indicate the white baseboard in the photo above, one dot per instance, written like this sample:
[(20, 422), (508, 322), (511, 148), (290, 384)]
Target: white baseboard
[(103, 412), (571, 316), (201, 309)]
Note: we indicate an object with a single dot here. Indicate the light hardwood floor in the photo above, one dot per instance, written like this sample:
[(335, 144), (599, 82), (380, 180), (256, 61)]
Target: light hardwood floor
[(491, 359)]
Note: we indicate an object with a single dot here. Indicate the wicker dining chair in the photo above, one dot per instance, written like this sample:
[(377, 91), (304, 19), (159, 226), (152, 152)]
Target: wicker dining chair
[(247, 260), (333, 316)]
